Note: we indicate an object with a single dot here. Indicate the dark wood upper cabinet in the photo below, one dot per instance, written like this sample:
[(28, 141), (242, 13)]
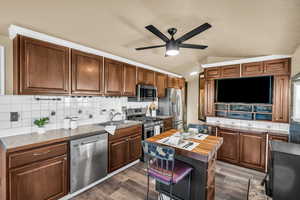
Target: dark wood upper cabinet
[(253, 150), (229, 150), (161, 84), (46, 180), (212, 73), (252, 69), (113, 76), (87, 73), (277, 67), (129, 80), (40, 67), (145, 76), (230, 71), (281, 98), (209, 97), (181, 83)]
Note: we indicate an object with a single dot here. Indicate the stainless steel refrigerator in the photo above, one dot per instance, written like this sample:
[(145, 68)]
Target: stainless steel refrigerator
[(173, 105)]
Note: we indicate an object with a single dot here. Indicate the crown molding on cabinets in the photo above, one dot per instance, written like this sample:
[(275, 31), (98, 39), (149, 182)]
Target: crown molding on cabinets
[(2, 70), (246, 60), (17, 30)]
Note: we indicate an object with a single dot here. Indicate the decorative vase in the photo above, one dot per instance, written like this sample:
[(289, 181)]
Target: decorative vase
[(41, 130)]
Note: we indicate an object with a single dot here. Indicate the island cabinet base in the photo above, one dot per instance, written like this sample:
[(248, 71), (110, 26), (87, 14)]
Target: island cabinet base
[(202, 181)]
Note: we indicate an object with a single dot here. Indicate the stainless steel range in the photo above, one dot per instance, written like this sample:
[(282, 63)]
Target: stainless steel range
[(151, 126)]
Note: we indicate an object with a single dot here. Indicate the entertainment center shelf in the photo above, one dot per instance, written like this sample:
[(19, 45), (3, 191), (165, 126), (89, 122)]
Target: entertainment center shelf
[(261, 112)]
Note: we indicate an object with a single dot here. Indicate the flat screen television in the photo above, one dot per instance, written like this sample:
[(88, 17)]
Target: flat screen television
[(245, 90)]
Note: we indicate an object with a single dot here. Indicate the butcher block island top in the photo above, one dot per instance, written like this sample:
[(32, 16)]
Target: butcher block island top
[(204, 152)]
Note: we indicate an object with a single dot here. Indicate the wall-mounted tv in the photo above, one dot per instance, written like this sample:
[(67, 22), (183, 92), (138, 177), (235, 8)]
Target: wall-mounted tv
[(245, 90)]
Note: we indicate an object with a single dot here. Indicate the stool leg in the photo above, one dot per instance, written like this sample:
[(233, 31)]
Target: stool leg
[(171, 191), (189, 186), (148, 188)]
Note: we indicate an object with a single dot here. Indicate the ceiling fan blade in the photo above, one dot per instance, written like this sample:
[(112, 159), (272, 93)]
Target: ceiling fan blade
[(194, 32), (193, 46), (156, 32), (150, 47)]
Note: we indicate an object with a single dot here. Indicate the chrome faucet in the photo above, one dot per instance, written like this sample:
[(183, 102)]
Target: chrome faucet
[(112, 115)]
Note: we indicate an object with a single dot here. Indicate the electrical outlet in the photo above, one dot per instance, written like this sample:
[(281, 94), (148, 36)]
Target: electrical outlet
[(14, 116)]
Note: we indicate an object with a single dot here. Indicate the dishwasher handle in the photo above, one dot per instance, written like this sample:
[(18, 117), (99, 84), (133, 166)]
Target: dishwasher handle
[(89, 142)]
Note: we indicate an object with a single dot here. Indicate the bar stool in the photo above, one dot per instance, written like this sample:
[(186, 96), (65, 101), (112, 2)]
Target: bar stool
[(201, 128), (162, 166)]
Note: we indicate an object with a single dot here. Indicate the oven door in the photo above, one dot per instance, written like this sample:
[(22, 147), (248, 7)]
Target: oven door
[(148, 132)]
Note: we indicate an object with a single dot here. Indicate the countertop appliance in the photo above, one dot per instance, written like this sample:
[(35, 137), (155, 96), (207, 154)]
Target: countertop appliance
[(151, 125), (283, 172), (172, 105), (88, 160), (146, 92)]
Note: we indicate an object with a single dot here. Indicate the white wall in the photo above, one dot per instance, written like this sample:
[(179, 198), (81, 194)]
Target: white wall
[(7, 43), (296, 61), (192, 100)]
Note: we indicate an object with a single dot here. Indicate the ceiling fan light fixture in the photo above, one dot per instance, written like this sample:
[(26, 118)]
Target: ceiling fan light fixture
[(172, 52), (172, 48)]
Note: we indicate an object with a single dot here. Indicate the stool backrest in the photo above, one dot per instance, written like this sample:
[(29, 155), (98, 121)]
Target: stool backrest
[(159, 158), (201, 128)]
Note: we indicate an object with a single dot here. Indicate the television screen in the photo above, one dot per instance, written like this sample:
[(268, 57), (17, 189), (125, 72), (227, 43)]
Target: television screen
[(245, 90)]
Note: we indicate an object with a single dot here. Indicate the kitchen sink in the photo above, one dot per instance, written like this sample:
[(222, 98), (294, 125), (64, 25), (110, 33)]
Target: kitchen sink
[(115, 123)]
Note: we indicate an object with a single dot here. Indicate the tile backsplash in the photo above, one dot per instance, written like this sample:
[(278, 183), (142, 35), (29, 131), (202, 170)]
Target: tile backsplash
[(88, 109), (250, 123)]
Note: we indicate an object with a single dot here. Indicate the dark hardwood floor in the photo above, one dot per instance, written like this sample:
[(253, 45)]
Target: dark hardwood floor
[(131, 184)]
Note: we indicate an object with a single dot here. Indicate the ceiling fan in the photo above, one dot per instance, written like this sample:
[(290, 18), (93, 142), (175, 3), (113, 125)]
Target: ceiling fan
[(172, 45)]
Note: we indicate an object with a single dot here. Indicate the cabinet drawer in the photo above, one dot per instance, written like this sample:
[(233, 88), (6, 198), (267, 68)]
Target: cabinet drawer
[(38, 154), (126, 132), (212, 73)]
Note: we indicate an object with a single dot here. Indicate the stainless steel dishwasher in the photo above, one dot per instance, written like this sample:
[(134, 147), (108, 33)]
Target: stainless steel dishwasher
[(88, 161)]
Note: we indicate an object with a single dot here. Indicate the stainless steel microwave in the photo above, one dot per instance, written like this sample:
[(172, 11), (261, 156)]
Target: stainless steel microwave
[(146, 92)]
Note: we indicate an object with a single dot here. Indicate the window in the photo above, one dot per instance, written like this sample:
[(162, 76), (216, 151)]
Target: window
[(2, 70), (296, 89)]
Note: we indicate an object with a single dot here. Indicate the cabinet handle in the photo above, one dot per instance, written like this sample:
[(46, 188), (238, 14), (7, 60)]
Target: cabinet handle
[(40, 154)]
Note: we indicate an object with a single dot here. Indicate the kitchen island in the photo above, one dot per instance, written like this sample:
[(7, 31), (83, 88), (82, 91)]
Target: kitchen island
[(203, 160)]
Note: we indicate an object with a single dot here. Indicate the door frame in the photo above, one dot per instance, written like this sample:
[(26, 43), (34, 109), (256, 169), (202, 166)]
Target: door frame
[(2, 70)]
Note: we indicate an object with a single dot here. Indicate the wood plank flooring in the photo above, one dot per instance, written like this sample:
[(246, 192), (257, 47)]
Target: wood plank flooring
[(131, 184)]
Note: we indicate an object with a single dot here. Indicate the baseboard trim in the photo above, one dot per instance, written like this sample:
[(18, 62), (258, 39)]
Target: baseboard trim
[(69, 196)]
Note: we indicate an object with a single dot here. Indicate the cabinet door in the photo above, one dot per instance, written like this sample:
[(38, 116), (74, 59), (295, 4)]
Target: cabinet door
[(129, 80), (229, 150), (161, 84), (230, 71), (181, 83), (252, 69), (281, 99), (209, 97), (252, 150), (277, 67), (149, 77), (168, 124), (45, 180), (87, 73), (140, 76), (135, 147), (118, 154), (43, 67), (113, 71), (212, 73)]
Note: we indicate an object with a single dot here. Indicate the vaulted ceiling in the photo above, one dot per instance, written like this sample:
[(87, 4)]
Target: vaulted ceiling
[(239, 28)]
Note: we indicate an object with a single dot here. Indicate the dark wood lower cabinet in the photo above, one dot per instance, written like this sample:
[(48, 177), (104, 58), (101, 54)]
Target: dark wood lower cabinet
[(118, 154), (229, 151), (253, 150), (45, 180), (247, 149), (124, 147), (35, 173), (168, 124)]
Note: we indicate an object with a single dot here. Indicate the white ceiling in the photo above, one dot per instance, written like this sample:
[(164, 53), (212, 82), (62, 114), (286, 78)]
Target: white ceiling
[(239, 28)]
